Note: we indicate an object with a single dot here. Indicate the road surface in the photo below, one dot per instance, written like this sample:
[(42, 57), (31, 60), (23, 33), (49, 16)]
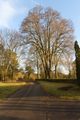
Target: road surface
[(30, 103)]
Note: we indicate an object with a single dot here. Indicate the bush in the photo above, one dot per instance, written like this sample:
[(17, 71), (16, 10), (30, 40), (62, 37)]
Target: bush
[(58, 80), (20, 79)]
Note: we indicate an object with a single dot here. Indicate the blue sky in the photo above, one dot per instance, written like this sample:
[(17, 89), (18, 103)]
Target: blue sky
[(12, 12)]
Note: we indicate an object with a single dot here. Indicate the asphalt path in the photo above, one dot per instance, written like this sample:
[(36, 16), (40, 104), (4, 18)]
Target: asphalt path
[(31, 103)]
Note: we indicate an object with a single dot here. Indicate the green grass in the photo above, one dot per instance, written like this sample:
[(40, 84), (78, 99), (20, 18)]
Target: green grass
[(52, 89), (7, 89)]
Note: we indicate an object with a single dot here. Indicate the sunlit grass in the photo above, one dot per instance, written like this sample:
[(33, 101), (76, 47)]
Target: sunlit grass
[(52, 89), (7, 89)]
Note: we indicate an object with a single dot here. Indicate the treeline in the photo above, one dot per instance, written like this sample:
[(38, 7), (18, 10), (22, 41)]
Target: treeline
[(9, 44), (46, 42)]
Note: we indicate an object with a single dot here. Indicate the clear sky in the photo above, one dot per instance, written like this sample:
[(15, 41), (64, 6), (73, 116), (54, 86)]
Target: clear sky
[(12, 12)]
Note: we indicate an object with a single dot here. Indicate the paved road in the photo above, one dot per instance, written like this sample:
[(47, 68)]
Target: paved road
[(30, 103)]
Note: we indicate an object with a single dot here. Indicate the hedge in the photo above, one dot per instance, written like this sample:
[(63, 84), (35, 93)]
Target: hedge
[(58, 80)]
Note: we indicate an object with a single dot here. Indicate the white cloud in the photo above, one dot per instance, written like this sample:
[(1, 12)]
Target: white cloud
[(8, 9), (34, 2), (6, 12), (11, 9), (18, 6)]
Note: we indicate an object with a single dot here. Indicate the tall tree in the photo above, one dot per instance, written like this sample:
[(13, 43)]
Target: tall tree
[(77, 54), (34, 59), (8, 53), (12, 44), (49, 33), (10, 63), (2, 70)]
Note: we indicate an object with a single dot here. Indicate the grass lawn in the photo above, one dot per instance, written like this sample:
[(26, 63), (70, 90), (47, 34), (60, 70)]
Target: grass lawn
[(7, 89), (52, 89)]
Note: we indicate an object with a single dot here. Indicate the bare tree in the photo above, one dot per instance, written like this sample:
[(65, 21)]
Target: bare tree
[(67, 62), (49, 33), (33, 59), (9, 44)]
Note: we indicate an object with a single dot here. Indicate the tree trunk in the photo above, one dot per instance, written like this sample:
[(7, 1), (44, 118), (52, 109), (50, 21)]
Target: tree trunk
[(12, 74), (38, 72), (37, 69), (28, 76), (48, 73), (56, 76), (45, 74)]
